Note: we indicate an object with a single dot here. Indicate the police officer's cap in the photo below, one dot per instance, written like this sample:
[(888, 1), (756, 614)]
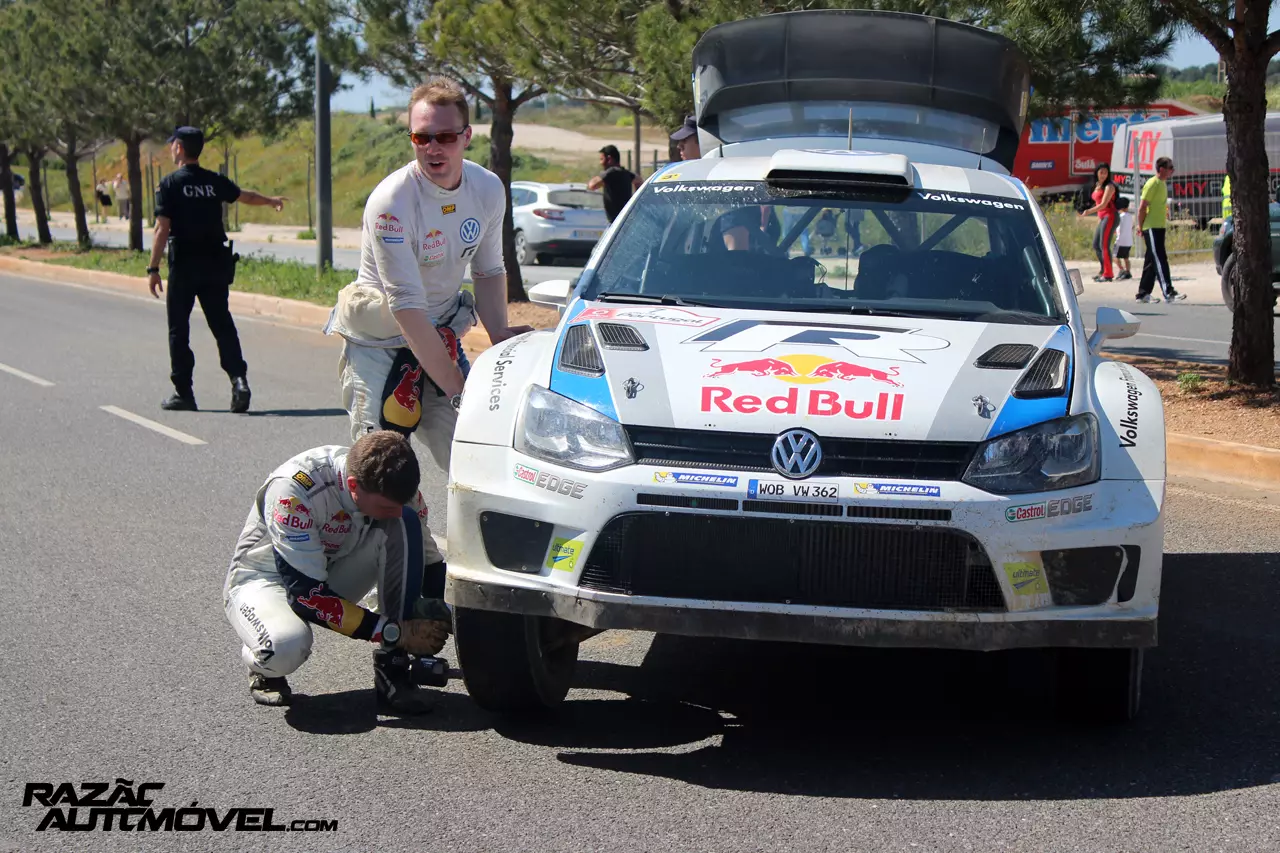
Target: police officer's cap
[(192, 139)]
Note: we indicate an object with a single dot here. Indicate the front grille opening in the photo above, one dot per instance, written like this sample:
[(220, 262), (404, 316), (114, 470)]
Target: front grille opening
[(793, 560), (621, 337), (791, 508), (686, 502), (899, 513), (1046, 378), (841, 457), (580, 354)]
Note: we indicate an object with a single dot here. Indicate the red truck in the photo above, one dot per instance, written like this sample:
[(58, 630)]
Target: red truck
[(1056, 156)]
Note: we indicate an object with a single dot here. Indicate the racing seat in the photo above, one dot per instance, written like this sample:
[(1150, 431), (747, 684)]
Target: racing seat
[(880, 273)]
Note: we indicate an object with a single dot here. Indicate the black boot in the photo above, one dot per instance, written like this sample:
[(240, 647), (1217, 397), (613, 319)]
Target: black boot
[(269, 691), (396, 685), (179, 402), (240, 395)]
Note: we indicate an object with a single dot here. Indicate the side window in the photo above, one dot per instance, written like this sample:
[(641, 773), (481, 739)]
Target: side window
[(521, 197)]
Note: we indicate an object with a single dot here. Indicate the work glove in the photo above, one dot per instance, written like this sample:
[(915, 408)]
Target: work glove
[(423, 637)]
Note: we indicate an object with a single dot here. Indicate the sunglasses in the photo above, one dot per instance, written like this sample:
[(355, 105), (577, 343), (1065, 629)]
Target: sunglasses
[(444, 137)]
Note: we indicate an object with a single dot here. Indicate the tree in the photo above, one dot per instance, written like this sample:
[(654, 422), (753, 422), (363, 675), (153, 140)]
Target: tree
[(464, 40), (25, 103), (1239, 32)]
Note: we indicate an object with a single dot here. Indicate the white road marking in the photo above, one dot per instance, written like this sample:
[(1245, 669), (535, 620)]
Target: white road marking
[(22, 374), (1176, 338), (1209, 496), (152, 425)]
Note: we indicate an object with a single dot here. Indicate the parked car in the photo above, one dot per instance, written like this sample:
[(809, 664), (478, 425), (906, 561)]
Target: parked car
[(920, 447), (555, 220), (1224, 257)]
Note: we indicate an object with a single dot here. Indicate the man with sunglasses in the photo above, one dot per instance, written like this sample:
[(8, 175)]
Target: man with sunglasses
[(403, 318)]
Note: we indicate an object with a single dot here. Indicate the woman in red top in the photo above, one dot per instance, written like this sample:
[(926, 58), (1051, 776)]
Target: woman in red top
[(1104, 204)]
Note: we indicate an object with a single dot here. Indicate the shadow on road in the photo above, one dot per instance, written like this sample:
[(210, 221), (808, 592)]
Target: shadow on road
[(1171, 352), (294, 413), (872, 723), (355, 712)]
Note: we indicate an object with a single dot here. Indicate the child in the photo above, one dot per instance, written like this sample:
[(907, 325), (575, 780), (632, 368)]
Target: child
[(1124, 238)]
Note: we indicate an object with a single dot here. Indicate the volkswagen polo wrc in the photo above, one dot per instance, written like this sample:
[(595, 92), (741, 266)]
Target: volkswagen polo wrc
[(912, 442)]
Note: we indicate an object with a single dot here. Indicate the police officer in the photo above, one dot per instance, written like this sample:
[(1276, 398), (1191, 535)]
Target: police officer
[(201, 265)]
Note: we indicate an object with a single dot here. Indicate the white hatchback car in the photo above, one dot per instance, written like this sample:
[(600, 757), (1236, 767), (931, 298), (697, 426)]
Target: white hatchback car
[(917, 447), (556, 221)]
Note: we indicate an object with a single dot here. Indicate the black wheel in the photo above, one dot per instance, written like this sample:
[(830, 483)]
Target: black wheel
[(522, 249), (515, 663), (1229, 297), (1100, 685)]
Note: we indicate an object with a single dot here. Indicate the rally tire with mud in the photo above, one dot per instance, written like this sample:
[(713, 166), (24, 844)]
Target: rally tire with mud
[(1102, 686), (1228, 287), (512, 662)]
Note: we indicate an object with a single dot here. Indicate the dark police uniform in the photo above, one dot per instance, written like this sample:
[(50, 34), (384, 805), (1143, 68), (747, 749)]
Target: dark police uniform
[(201, 266)]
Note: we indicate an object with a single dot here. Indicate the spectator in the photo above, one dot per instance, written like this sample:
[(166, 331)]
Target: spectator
[(1152, 217), (122, 195), (853, 227), (1124, 238), (686, 139), (618, 183), (103, 191), (18, 183), (1104, 195)]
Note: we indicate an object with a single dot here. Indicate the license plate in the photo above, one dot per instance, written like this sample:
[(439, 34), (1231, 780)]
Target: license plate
[(588, 235), (785, 490)]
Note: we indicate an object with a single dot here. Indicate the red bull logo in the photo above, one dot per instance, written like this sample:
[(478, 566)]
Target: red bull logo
[(328, 607), (388, 228), (803, 369), (450, 338), (292, 513), (434, 246), (402, 407), (338, 525), (818, 402)]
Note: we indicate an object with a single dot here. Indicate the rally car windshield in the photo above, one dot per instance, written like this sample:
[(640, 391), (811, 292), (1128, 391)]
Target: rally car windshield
[(904, 252)]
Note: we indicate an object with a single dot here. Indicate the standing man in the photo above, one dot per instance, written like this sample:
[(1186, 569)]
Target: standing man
[(618, 183), (324, 528), (201, 266), (1152, 217), (404, 316), (686, 139), (121, 188)]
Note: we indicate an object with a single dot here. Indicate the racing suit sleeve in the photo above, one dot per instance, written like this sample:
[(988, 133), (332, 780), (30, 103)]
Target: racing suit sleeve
[(389, 224), (488, 261), (300, 559)]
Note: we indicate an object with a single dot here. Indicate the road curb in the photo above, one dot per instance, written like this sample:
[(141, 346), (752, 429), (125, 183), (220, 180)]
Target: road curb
[(278, 309), (1224, 461)]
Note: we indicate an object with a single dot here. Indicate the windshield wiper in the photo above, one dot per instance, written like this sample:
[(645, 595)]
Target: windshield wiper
[(891, 312), (646, 299)]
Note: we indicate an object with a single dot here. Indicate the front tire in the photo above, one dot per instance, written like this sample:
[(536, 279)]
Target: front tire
[(1229, 296), (1100, 685), (515, 663)]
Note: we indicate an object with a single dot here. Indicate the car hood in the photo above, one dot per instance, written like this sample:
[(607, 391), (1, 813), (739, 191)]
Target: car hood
[(765, 372)]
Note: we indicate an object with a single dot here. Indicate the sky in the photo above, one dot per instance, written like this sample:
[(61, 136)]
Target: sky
[(1190, 50)]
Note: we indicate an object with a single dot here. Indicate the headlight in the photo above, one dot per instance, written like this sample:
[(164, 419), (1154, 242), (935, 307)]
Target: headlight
[(1054, 455), (557, 429)]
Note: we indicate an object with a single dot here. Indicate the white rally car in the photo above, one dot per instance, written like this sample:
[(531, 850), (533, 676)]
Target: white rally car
[(905, 440)]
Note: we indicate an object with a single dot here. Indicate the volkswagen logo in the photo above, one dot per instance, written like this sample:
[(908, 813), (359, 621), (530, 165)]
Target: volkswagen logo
[(796, 454), (469, 231)]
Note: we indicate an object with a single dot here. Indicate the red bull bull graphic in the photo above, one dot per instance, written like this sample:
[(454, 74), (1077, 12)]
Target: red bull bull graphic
[(804, 369), (292, 513), (402, 407), (329, 608), (753, 366), (848, 371), (450, 338)]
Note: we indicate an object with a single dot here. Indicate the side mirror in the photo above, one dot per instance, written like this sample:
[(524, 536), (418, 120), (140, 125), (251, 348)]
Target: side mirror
[(553, 294), (1077, 283), (1112, 323)]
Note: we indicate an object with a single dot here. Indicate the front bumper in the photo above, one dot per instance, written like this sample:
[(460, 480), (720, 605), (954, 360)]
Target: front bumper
[(1030, 575)]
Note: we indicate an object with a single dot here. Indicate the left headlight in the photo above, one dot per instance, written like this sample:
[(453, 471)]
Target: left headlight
[(559, 430), (1057, 454)]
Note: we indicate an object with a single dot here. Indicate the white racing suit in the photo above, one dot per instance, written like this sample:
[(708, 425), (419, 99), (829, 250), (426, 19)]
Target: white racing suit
[(416, 244), (306, 555)]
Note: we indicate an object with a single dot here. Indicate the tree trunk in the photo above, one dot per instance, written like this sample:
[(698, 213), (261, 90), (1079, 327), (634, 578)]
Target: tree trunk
[(133, 154), (10, 203), (1252, 355), (501, 133), (77, 197), (35, 157), (635, 115)]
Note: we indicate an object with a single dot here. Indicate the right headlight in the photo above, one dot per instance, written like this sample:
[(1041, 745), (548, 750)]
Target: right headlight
[(1057, 454), (560, 430)]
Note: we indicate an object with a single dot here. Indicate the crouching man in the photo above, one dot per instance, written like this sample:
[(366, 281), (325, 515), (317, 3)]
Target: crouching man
[(324, 529)]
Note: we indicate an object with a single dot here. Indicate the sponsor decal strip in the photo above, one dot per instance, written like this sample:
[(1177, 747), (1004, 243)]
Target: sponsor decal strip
[(692, 478), (1050, 509), (550, 482)]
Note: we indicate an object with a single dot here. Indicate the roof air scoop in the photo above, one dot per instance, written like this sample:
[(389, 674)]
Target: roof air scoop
[(859, 74), (854, 169)]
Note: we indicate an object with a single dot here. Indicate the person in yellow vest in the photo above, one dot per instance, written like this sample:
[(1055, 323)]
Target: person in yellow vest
[(1226, 196)]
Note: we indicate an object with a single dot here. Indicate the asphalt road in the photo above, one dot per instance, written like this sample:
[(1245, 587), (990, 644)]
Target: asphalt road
[(119, 664)]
